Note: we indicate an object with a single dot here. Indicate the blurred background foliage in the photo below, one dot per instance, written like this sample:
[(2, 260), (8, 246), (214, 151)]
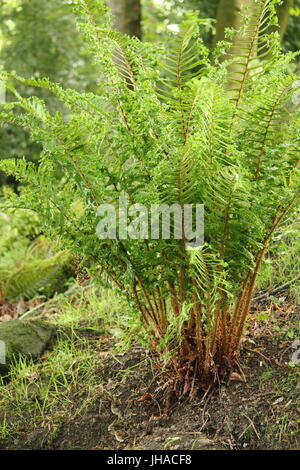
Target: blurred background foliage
[(40, 39)]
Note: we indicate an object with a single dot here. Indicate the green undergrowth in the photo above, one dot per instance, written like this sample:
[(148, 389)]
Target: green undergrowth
[(285, 426), (282, 264), (36, 392)]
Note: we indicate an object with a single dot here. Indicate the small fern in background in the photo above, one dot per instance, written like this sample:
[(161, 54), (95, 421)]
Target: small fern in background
[(170, 126), (44, 276), (29, 268)]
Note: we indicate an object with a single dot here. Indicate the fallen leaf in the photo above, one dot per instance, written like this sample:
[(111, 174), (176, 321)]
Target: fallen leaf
[(236, 377), (145, 397)]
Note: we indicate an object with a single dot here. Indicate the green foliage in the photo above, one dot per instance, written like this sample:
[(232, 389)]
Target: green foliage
[(282, 265), (29, 268), (255, 44), (45, 276), (167, 127), (38, 389)]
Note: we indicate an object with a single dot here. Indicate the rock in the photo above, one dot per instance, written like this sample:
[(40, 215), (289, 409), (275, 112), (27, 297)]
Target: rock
[(23, 338)]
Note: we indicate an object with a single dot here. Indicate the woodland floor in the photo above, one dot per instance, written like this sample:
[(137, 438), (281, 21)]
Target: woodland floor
[(124, 409)]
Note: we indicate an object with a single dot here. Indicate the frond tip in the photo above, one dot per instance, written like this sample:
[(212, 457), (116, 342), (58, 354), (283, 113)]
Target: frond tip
[(252, 44)]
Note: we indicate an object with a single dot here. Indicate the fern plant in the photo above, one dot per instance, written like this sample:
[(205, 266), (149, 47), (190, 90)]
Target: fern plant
[(42, 276), (29, 268), (169, 125)]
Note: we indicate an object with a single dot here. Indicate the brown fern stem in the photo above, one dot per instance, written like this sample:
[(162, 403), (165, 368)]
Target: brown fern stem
[(244, 303)]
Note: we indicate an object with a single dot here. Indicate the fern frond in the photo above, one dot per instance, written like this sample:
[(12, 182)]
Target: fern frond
[(214, 121), (98, 30), (186, 62), (180, 183), (254, 45), (87, 103), (36, 277), (207, 270), (267, 120), (123, 57)]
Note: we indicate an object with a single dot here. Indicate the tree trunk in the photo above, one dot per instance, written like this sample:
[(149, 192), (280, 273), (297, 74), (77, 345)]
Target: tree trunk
[(229, 16), (128, 16), (283, 15)]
